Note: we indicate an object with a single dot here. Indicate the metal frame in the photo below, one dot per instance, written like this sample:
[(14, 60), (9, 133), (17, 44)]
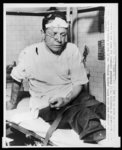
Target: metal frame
[(28, 133)]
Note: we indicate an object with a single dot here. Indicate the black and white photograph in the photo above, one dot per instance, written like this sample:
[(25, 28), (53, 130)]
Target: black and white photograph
[(60, 75)]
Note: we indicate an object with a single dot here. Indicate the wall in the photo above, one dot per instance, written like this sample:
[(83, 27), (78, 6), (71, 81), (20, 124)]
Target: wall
[(21, 31), (88, 34)]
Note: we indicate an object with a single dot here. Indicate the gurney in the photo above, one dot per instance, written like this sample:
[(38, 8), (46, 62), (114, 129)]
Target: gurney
[(20, 119)]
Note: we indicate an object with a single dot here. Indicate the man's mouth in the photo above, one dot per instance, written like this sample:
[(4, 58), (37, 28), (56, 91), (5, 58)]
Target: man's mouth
[(57, 45)]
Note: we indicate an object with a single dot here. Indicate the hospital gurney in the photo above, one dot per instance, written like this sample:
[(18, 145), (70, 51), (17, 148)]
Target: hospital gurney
[(36, 129), (28, 133)]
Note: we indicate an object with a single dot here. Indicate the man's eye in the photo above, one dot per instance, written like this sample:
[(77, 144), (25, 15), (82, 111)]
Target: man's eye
[(53, 34), (63, 34)]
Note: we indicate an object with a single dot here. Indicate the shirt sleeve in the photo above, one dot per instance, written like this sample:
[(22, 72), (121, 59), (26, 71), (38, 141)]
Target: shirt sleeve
[(78, 72), (22, 70)]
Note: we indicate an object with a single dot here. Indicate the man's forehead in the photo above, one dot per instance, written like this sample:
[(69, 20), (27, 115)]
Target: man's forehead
[(57, 29)]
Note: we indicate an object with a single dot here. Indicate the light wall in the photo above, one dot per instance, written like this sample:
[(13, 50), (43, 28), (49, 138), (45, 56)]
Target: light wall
[(89, 34), (21, 31)]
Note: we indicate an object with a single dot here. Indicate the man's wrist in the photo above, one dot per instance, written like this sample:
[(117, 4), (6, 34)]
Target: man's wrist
[(13, 100), (10, 105), (68, 97)]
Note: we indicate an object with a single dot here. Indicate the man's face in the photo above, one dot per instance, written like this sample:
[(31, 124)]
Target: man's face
[(55, 38)]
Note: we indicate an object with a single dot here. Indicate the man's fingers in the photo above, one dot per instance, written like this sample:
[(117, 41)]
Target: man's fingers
[(52, 106), (57, 108), (56, 103), (59, 104), (53, 100)]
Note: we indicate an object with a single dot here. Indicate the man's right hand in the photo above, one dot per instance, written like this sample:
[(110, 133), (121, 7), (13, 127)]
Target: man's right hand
[(10, 105)]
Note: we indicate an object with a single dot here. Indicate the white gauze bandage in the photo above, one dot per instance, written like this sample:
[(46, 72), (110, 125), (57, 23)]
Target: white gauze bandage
[(58, 22)]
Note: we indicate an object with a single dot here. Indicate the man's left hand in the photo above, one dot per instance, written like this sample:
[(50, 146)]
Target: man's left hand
[(57, 102)]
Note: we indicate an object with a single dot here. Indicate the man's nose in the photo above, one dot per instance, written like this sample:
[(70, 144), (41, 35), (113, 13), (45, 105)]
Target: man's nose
[(58, 38)]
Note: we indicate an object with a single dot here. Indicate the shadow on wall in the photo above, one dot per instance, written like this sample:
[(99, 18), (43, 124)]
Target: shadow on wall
[(96, 26)]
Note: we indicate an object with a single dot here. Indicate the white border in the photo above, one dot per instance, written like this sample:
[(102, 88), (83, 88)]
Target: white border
[(111, 13)]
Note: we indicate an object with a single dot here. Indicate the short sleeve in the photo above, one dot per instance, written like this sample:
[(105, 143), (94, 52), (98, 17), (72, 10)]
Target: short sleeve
[(23, 69), (78, 72)]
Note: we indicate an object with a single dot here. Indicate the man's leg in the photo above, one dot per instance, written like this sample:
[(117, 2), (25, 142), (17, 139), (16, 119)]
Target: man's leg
[(85, 118), (89, 101), (100, 110), (79, 117), (86, 123), (50, 114)]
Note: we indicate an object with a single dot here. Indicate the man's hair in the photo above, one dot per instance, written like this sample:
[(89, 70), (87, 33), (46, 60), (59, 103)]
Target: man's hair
[(49, 17)]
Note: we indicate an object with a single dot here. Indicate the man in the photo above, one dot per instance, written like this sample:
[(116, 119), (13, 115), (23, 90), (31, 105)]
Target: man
[(56, 77)]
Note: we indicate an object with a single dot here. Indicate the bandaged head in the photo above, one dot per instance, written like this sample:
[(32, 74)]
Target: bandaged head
[(55, 19), (57, 22)]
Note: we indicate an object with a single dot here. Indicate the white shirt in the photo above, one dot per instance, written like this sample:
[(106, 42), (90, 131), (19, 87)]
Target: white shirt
[(49, 74)]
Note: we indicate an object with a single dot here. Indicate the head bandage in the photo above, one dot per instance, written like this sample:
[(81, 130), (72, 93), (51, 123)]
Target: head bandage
[(58, 22)]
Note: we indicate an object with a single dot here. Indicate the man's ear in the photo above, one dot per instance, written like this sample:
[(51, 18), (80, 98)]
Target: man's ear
[(42, 34), (66, 39)]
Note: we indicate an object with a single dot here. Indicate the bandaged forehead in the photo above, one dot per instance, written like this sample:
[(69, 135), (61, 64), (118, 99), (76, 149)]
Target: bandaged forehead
[(58, 22)]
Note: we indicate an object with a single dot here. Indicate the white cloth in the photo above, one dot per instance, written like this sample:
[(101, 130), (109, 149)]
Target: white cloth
[(57, 22), (48, 74)]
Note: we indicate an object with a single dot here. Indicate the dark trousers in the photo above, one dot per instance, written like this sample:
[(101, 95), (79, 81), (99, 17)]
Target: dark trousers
[(83, 116)]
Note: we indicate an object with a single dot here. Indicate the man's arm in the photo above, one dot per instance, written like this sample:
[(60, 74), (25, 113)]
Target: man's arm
[(75, 92), (59, 102), (12, 104)]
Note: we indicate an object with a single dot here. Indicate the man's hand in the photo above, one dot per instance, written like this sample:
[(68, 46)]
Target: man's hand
[(57, 102), (10, 105)]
